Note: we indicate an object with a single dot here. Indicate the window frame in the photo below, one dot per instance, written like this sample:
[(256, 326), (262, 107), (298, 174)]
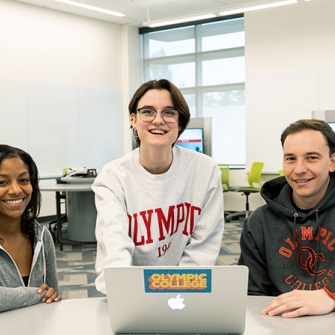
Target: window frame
[(198, 57)]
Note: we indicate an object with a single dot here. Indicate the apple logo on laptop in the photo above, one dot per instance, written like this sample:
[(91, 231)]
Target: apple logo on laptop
[(176, 303)]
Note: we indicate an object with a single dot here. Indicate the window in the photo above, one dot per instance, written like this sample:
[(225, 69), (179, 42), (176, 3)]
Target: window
[(206, 61)]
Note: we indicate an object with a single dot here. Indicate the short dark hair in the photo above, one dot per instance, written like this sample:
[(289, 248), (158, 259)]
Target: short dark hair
[(311, 124), (33, 208), (178, 100)]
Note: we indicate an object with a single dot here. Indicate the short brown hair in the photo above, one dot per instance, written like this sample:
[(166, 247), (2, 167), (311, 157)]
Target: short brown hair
[(311, 124), (178, 100)]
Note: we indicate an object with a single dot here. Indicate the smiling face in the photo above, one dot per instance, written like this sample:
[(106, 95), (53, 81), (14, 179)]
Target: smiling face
[(156, 133), (15, 189), (306, 167)]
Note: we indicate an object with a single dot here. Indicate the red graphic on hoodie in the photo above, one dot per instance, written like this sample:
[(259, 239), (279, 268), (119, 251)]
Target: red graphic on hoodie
[(309, 262)]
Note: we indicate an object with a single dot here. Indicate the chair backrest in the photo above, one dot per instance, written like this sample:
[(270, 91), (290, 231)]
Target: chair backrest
[(281, 172), (255, 173), (224, 176)]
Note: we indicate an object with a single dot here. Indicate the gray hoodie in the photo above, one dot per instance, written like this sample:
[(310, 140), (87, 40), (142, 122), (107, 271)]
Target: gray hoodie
[(13, 293), (286, 248)]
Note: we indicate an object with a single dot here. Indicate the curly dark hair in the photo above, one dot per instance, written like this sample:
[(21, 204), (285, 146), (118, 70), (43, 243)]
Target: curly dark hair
[(33, 208), (178, 100)]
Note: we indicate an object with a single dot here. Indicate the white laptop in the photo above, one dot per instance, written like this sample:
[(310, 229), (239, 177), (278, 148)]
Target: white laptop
[(158, 300)]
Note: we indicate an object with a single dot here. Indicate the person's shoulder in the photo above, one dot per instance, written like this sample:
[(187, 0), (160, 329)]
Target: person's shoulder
[(258, 216), (196, 156), (41, 229), (124, 160), (38, 228)]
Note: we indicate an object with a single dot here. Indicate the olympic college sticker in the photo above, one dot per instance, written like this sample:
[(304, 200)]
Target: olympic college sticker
[(178, 281)]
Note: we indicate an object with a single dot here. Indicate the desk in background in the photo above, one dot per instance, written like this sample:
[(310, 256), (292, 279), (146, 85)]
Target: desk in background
[(90, 317), (80, 211)]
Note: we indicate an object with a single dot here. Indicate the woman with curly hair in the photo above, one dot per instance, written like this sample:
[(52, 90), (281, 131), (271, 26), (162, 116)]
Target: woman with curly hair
[(27, 255)]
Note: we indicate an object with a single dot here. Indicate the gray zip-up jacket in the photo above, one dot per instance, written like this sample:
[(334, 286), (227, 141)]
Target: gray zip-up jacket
[(13, 293)]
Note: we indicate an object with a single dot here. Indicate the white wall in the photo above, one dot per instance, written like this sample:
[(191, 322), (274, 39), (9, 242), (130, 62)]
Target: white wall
[(290, 71), (290, 68), (52, 51), (46, 45), (131, 75)]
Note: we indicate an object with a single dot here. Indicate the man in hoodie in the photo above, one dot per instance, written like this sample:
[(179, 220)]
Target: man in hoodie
[(289, 243)]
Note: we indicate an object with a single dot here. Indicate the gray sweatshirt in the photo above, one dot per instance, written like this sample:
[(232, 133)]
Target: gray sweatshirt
[(13, 293), (174, 218)]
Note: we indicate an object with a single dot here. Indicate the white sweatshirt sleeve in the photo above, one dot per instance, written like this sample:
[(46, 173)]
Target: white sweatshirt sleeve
[(114, 246)]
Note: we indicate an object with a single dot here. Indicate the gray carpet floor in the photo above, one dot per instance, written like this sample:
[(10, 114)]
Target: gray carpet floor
[(76, 263)]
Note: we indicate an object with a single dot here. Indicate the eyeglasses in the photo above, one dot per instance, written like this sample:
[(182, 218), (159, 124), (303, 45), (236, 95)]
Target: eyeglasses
[(149, 114)]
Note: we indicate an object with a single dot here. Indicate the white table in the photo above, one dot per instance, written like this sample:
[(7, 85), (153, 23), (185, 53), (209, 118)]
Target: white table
[(80, 211), (90, 317)]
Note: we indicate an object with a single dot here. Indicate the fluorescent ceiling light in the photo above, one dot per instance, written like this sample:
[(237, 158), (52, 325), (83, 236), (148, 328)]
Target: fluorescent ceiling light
[(248, 9), (97, 9), (188, 19)]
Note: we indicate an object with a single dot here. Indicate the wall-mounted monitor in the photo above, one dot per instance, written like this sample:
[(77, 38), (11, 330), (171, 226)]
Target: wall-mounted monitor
[(193, 139)]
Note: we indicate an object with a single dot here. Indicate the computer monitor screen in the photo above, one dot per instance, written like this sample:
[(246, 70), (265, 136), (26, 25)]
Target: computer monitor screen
[(332, 124), (192, 138)]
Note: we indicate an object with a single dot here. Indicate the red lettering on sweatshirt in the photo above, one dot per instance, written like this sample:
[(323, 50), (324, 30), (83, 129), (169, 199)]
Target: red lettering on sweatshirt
[(180, 216), (136, 241), (163, 222), (330, 245), (306, 233), (189, 224), (297, 284), (147, 222), (141, 224), (327, 238), (309, 257), (285, 252), (322, 233)]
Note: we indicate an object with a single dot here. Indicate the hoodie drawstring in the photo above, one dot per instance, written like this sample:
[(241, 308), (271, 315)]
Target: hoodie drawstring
[(296, 245), (319, 239)]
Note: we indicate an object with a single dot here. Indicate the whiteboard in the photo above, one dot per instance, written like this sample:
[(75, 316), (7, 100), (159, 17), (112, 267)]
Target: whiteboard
[(272, 103), (14, 113), (62, 125)]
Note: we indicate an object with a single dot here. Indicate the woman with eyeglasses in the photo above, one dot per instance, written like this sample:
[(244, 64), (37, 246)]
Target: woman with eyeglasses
[(27, 256), (160, 204)]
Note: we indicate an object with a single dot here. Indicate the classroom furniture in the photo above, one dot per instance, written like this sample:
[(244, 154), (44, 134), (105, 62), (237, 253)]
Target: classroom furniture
[(63, 216), (225, 181), (254, 179), (90, 316), (80, 211), (224, 176)]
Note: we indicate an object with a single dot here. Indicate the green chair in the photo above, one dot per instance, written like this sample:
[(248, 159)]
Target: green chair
[(254, 179), (224, 176), (225, 182), (281, 172)]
